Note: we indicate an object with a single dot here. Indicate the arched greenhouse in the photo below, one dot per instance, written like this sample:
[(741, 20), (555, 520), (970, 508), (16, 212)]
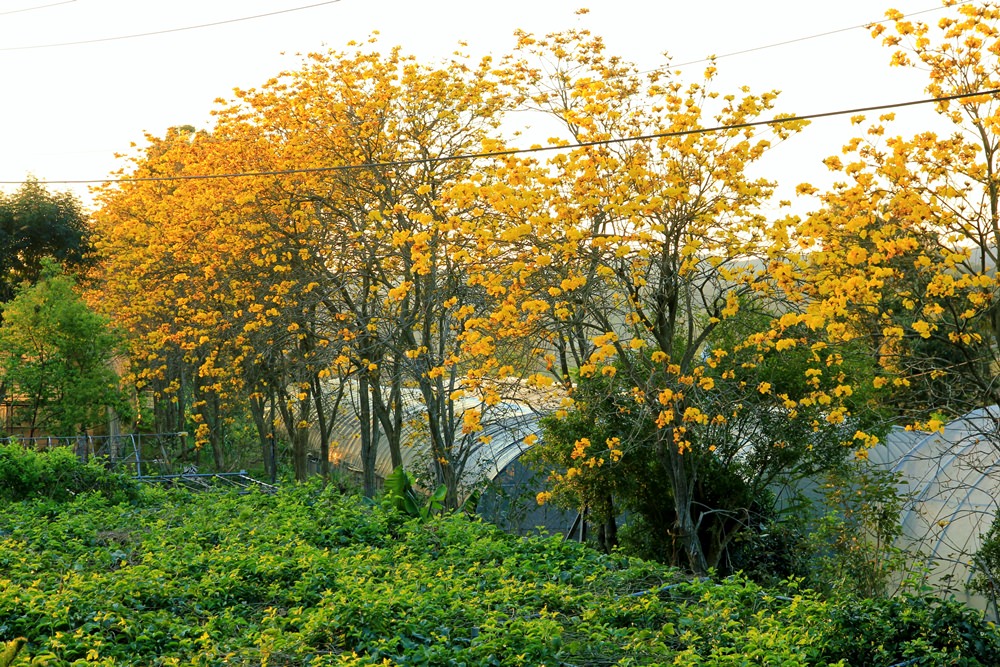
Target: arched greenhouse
[(954, 479), (505, 427), (494, 459)]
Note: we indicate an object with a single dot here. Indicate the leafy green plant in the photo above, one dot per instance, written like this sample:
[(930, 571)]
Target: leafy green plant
[(986, 564), (399, 489), (912, 626), (312, 576), (851, 542), (59, 475), (10, 650)]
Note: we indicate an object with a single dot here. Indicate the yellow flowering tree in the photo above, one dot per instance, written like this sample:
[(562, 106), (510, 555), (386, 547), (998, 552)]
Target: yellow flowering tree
[(151, 281), (903, 251), (643, 249), (362, 265), (207, 276)]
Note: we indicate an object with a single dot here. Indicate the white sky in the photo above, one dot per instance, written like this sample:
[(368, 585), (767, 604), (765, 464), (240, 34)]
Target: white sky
[(67, 110)]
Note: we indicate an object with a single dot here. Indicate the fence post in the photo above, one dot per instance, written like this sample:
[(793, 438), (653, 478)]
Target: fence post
[(80, 447), (137, 443)]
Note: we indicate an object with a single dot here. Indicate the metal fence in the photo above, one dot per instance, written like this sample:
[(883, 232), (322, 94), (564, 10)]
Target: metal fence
[(151, 457), (141, 453)]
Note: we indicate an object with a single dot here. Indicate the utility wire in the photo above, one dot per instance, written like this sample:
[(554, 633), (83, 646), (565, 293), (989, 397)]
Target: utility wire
[(31, 9), (523, 151), (799, 39), (329, 2), (247, 18), (166, 31)]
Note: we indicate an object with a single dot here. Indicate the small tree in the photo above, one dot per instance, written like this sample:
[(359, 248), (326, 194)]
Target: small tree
[(55, 356), (986, 580), (35, 224), (851, 542)]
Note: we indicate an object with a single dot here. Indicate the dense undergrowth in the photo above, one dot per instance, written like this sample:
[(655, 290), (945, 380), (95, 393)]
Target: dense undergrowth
[(312, 577), (58, 475)]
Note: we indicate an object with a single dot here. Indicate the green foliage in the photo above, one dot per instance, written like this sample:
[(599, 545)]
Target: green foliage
[(10, 651), (55, 355), (58, 475), (851, 539), (311, 577), (918, 627), (759, 443), (36, 224), (401, 495), (399, 490), (986, 562)]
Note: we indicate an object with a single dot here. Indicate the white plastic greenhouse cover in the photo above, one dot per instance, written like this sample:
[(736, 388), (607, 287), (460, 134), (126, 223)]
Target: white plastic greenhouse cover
[(954, 477), (505, 426)]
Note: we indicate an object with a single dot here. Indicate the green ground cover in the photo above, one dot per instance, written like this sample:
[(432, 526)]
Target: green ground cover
[(312, 577)]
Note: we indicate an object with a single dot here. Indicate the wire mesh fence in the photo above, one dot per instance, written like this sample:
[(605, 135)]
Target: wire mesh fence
[(151, 457), (139, 453)]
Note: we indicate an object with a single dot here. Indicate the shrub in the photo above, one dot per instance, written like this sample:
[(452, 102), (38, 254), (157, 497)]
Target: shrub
[(986, 580), (851, 542), (920, 627), (59, 475)]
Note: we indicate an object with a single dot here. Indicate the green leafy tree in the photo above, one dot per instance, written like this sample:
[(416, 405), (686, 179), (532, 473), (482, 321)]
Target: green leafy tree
[(35, 224), (850, 544), (55, 357), (986, 580)]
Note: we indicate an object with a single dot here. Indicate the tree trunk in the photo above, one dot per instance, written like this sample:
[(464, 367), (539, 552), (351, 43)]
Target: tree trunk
[(369, 438), (685, 530), (390, 415), (441, 442), (265, 433), (300, 442), (216, 436), (299, 436)]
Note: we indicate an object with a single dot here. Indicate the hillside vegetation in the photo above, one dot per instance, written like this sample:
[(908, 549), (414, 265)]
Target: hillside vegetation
[(312, 577)]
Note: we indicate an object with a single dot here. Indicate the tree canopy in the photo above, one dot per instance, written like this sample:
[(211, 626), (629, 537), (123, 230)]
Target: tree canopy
[(55, 358), (35, 224)]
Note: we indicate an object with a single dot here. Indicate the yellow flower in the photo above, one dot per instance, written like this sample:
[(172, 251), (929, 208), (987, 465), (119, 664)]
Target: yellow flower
[(922, 328), (580, 448)]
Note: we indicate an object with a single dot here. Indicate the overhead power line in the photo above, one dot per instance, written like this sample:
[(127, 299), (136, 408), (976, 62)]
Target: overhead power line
[(800, 39), (523, 151), (167, 30), (330, 2), (31, 9)]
